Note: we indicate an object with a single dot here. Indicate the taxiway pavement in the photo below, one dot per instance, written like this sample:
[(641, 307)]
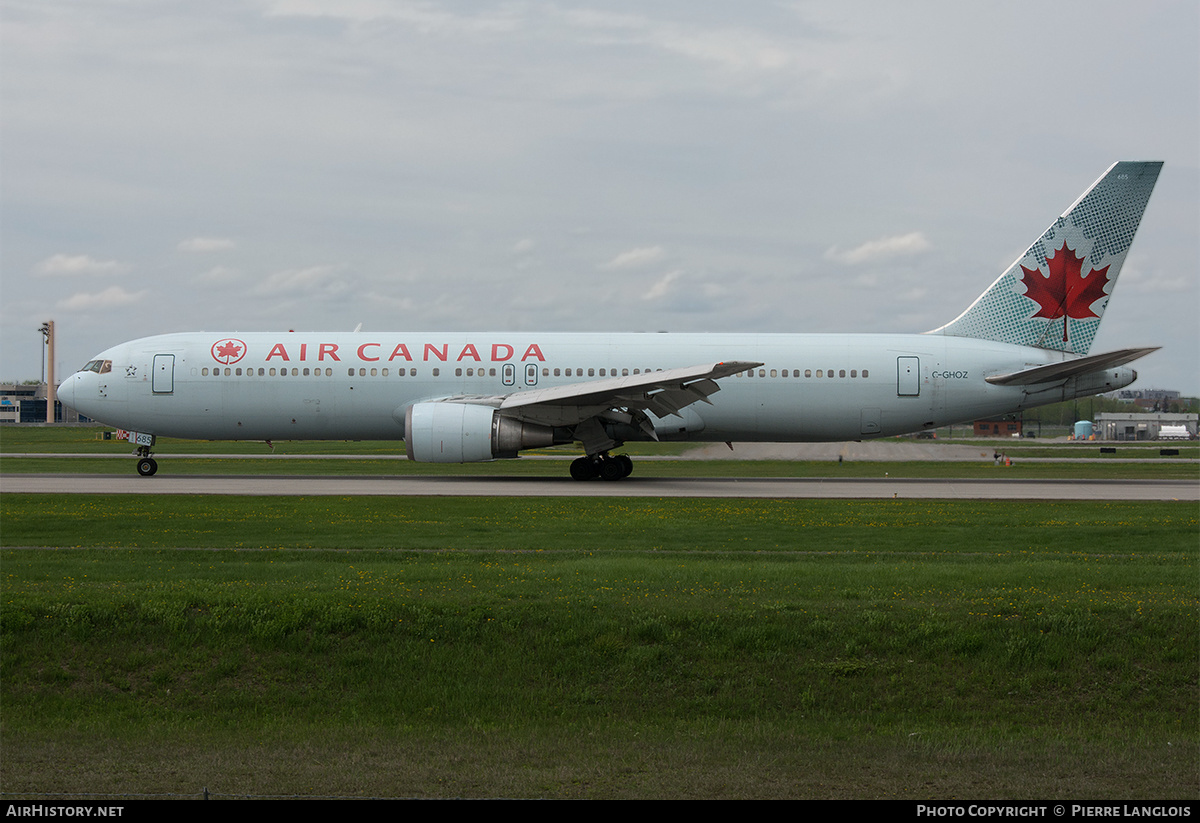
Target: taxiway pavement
[(519, 486)]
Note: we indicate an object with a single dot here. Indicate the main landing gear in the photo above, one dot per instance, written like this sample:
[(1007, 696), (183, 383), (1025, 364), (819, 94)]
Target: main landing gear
[(146, 465), (603, 465)]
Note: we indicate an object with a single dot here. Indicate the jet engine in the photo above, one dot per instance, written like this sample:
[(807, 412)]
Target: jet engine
[(467, 433)]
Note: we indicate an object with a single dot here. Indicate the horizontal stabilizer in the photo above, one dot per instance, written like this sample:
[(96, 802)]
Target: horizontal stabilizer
[(1070, 368)]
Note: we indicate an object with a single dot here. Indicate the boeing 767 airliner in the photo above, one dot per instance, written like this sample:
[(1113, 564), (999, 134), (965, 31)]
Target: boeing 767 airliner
[(466, 397)]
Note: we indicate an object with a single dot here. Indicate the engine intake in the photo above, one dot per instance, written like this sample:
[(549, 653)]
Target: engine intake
[(467, 433)]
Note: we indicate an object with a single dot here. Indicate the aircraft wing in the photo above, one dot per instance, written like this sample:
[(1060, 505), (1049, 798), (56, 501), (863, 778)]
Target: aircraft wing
[(661, 393), (1070, 368)]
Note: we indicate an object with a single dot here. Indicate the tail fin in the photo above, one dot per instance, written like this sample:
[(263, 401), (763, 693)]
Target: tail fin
[(1054, 295)]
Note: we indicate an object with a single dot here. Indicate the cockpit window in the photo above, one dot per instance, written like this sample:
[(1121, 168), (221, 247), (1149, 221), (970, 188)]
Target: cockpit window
[(98, 366)]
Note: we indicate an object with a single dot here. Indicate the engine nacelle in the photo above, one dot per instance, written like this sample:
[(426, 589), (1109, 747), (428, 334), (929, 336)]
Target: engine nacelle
[(467, 433)]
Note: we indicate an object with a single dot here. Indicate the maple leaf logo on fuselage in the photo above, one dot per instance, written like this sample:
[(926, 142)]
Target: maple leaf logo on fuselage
[(1065, 291), (229, 350)]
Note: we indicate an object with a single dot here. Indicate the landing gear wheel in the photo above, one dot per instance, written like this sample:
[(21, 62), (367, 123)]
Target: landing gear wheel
[(583, 469), (626, 461), (147, 466), (613, 468)]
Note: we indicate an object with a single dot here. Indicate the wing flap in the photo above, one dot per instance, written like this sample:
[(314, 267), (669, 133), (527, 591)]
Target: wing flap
[(663, 393), (602, 391)]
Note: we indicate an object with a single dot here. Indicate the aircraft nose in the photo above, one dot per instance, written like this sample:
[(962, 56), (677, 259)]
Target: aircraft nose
[(66, 391)]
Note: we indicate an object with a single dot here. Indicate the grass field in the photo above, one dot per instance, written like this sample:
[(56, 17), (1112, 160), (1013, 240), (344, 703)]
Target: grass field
[(599, 648)]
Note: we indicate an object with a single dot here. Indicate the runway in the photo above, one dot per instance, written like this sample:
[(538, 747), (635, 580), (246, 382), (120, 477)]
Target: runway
[(517, 486)]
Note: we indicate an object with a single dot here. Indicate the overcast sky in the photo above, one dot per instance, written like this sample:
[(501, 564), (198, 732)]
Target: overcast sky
[(239, 165)]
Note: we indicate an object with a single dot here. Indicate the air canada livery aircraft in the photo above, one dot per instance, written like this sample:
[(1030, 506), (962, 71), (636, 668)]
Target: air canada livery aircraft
[(466, 397)]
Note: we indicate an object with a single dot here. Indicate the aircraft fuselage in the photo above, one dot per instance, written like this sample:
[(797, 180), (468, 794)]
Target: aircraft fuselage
[(820, 387)]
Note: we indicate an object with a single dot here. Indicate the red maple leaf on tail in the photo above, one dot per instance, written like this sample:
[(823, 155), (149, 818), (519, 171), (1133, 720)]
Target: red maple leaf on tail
[(1065, 291)]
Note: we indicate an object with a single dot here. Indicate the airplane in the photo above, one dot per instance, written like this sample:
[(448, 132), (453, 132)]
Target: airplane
[(468, 397)]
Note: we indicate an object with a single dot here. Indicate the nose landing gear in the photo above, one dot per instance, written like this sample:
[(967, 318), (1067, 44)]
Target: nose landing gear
[(146, 465)]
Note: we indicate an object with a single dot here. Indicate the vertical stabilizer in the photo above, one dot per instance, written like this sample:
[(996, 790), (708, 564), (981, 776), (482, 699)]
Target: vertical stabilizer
[(1055, 294)]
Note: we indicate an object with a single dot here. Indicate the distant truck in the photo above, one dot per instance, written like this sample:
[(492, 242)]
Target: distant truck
[(1174, 433)]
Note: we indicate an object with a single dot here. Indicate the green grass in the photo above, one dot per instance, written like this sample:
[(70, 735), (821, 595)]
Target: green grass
[(599, 648)]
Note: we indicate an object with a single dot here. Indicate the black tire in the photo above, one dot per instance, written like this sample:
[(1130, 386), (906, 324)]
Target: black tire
[(583, 469), (612, 469), (147, 466), (627, 462)]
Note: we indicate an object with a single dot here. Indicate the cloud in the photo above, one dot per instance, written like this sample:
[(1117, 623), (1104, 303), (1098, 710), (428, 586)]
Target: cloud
[(206, 244), (634, 258), (220, 275), (321, 280), (731, 50), (660, 288), (111, 298), (77, 264), (1154, 281), (425, 17), (389, 302), (884, 248)]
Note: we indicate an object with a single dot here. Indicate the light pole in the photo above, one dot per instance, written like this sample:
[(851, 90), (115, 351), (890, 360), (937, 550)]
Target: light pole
[(47, 331)]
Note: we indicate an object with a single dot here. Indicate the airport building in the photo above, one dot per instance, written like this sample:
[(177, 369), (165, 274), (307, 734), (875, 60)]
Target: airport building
[(26, 403), (998, 427), (1151, 426), (1150, 399)]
